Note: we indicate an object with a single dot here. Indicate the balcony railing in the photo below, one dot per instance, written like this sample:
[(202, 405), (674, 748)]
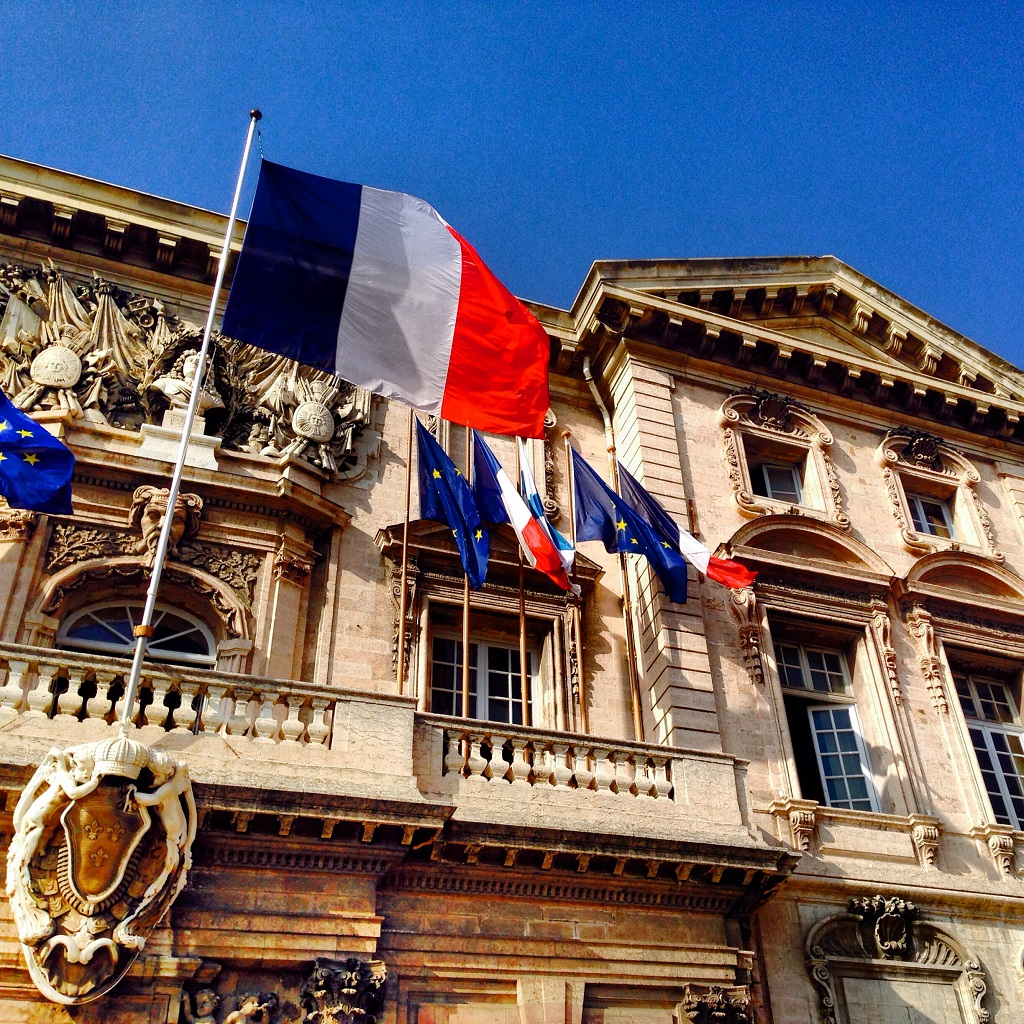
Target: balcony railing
[(45, 683)]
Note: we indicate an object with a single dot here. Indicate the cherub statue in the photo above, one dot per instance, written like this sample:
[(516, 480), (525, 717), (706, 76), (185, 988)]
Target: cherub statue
[(200, 1008), (256, 1007)]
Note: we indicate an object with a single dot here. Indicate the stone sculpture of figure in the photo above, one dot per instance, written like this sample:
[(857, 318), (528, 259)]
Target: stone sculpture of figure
[(177, 385), (149, 506), (205, 1002), (257, 1007)]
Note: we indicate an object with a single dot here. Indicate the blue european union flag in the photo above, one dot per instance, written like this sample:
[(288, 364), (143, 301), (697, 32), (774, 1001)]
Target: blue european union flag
[(603, 515), (35, 468), (445, 497)]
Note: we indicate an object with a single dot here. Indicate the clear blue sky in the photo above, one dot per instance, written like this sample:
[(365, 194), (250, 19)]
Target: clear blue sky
[(554, 134)]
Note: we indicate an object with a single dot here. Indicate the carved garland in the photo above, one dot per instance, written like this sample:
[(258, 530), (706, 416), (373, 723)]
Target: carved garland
[(919, 623), (914, 455), (780, 420), (879, 931)]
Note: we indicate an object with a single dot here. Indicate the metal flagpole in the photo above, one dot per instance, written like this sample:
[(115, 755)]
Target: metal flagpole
[(144, 630), (465, 596), (577, 620), (524, 677), (403, 593)]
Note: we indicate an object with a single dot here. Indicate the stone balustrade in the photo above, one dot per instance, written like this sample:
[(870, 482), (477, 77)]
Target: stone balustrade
[(482, 752), (47, 683)]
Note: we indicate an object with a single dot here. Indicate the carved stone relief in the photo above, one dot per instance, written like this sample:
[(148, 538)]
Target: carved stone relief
[(878, 931), (744, 607), (907, 456), (881, 626), (113, 356), (16, 523), (715, 1004), (403, 638), (919, 623), (774, 418), (344, 991), (102, 843), (149, 507)]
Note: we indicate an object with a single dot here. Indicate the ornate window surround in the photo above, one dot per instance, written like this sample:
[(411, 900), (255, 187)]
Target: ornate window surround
[(879, 937), (921, 460), (781, 424)]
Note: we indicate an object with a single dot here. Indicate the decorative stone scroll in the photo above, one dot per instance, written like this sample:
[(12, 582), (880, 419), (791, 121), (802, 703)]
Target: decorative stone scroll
[(779, 422), (344, 991), (915, 456), (919, 623), (102, 843), (878, 933), (108, 355), (881, 627), (744, 607), (715, 1004)]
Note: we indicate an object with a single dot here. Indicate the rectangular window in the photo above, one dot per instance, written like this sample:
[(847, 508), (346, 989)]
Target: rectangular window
[(998, 746), (495, 684), (831, 758), (931, 516), (776, 480), (842, 759)]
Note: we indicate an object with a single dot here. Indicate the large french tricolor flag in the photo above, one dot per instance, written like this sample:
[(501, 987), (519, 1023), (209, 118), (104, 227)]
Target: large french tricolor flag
[(500, 502), (375, 287)]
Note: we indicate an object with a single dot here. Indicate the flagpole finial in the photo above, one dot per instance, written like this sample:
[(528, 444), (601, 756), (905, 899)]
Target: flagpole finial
[(256, 114)]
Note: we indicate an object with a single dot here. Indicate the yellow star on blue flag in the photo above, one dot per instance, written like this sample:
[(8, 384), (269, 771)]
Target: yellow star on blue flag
[(35, 468)]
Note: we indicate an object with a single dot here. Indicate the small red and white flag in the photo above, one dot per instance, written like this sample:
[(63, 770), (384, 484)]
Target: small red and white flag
[(500, 502)]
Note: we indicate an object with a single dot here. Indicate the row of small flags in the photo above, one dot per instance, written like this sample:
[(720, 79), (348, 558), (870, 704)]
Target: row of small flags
[(378, 289), (632, 522)]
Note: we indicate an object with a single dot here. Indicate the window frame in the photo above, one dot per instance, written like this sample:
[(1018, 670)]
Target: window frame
[(796, 476), (480, 673), (153, 649), (849, 707), (922, 523)]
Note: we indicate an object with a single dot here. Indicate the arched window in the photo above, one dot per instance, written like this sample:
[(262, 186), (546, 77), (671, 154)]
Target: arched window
[(107, 628)]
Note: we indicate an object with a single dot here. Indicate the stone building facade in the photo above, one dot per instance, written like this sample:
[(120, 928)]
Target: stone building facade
[(800, 802)]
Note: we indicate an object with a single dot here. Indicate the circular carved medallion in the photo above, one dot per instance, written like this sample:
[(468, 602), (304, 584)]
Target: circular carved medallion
[(56, 367), (313, 421)]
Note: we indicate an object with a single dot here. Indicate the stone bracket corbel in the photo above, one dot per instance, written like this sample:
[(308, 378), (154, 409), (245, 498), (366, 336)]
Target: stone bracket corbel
[(924, 832), (801, 815), (998, 840)]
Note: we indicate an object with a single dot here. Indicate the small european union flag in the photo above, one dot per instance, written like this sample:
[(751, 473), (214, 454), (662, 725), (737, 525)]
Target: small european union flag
[(35, 468), (445, 497), (603, 515)]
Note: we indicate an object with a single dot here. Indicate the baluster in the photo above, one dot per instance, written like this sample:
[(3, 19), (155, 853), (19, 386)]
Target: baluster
[(480, 770), (623, 773), (70, 701), (319, 728), (519, 770), (40, 699), (643, 779), (293, 727), (561, 773), (266, 727), (157, 710), (662, 786), (454, 756), (12, 693), (238, 721), (104, 679), (542, 763), (581, 767), (604, 769), (185, 713), (214, 708)]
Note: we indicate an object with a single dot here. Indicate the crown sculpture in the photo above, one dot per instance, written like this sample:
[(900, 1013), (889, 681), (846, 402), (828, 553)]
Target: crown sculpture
[(102, 843)]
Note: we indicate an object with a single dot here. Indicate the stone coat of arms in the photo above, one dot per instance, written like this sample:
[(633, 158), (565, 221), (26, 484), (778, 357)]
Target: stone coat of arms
[(101, 847)]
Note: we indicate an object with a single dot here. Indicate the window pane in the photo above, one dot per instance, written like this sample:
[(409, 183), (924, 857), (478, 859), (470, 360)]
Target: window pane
[(963, 691), (758, 482), (842, 769), (783, 484), (446, 678), (931, 515), (991, 777), (994, 701), (788, 659), (826, 671)]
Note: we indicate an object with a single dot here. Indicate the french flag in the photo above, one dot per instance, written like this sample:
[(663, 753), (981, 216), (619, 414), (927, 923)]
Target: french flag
[(377, 288), (500, 502), (528, 489), (726, 571)]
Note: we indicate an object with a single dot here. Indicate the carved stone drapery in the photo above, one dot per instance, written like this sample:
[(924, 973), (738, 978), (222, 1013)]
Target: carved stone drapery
[(916, 457), (714, 1004), (919, 622), (881, 627), (779, 421), (113, 356), (743, 604), (344, 991), (878, 932)]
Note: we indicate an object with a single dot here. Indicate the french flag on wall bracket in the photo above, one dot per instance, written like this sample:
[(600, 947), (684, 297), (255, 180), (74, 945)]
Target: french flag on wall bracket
[(500, 502), (375, 287)]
